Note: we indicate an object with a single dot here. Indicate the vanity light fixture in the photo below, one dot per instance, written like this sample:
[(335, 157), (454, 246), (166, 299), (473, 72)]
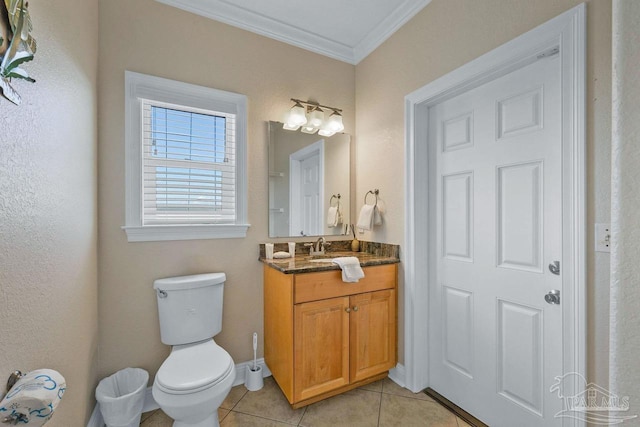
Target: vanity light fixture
[(312, 118), (296, 116)]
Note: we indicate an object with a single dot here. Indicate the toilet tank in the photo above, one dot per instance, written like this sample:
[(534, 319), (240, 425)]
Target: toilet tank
[(189, 307)]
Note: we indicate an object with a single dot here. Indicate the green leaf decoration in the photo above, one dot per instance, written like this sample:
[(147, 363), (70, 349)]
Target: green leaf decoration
[(9, 92), (21, 48), (20, 74), (18, 59), (15, 41)]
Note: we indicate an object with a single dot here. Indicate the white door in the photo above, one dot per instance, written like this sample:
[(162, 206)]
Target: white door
[(306, 190), (310, 195), (495, 151)]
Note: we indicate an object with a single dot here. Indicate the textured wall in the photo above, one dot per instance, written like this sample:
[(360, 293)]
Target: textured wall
[(442, 37), (148, 37), (625, 250), (48, 225)]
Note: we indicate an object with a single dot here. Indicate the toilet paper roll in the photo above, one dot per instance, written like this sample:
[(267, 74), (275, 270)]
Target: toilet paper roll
[(34, 398)]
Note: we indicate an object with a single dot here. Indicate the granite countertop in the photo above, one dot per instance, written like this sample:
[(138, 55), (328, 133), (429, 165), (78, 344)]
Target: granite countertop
[(309, 264)]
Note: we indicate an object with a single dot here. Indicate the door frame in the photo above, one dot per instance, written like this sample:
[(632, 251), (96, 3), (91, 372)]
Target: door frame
[(295, 202), (566, 31)]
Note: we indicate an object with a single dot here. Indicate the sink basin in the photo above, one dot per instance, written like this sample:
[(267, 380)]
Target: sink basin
[(325, 260)]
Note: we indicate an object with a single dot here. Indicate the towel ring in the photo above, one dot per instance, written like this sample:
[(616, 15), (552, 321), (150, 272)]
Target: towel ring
[(375, 193), (335, 197)]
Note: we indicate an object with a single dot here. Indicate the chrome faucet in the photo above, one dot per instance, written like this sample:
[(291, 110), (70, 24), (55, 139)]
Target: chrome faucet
[(318, 247)]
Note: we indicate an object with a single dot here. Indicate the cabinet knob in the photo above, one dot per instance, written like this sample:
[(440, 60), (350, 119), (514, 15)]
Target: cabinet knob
[(355, 308), (348, 310)]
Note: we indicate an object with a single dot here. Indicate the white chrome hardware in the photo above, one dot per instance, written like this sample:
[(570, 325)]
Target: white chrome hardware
[(553, 297), (554, 267)]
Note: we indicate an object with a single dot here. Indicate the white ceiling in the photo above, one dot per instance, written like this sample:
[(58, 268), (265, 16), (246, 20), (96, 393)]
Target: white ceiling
[(347, 30)]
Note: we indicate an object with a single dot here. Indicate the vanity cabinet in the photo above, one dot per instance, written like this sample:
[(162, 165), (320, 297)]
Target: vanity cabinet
[(324, 336)]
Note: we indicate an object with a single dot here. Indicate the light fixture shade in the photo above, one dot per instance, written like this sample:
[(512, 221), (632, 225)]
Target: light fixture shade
[(334, 123), (326, 132), (316, 117), (297, 116), (309, 129), (288, 126)]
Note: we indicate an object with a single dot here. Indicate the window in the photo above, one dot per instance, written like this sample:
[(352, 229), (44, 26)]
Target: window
[(186, 161)]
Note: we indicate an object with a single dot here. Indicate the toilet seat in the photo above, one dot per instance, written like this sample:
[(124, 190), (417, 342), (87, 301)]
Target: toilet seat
[(194, 367)]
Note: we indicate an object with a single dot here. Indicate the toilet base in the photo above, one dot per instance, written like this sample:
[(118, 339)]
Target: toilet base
[(186, 409), (211, 421)]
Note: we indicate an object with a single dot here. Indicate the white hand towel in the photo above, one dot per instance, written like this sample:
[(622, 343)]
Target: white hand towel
[(351, 270), (365, 220), (332, 216), (377, 216)]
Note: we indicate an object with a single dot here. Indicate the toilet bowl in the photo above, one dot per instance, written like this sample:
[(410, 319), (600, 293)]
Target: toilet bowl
[(193, 382), (198, 374)]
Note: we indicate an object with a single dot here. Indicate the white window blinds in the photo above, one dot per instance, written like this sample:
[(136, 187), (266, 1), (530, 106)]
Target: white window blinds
[(188, 165)]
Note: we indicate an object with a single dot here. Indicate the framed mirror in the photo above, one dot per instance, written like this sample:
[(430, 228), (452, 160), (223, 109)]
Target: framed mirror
[(309, 183)]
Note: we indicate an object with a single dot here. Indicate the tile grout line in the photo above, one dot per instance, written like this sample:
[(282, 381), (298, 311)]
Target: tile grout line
[(380, 407), (303, 412), (236, 404), (261, 417)]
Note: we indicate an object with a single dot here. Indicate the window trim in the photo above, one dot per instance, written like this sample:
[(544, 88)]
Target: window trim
[(173, 92)]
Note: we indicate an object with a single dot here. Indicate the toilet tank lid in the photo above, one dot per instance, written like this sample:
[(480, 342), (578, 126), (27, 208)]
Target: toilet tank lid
[(189, 282)]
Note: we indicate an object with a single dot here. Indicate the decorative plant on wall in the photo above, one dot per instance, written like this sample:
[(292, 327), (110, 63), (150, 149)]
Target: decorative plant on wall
[(16, 45)]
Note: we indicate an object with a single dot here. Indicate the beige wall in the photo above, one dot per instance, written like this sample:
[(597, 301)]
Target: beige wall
[(148, 37), (48, 225), (442, 37), (625, 250)]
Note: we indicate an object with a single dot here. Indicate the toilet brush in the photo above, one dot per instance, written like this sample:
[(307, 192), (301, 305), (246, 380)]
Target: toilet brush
[(253, 378), (255, 351)]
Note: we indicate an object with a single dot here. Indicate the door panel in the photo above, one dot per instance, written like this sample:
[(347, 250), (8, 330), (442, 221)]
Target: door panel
[(321, 352), (457, 334), (520, 355), (457, 216), (519, 210), (495, 345), (373, 333)]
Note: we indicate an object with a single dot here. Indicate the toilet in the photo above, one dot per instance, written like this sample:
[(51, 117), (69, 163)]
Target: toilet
[(198, 374)]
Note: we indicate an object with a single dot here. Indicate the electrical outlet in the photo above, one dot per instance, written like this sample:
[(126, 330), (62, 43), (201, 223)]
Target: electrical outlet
[(603, 237)]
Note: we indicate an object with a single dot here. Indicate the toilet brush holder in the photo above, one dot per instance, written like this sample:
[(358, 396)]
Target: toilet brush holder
[(253, 379)]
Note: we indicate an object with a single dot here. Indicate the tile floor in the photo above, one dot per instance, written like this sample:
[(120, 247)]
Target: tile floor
[(380, 404)]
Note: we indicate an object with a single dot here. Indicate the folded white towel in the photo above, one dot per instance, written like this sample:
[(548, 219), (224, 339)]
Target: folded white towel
[(333, 216), (365, 220), (377, 216), (351, 270)]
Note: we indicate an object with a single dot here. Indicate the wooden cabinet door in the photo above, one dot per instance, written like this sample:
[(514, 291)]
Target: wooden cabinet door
[(321, 347), (373, 333)]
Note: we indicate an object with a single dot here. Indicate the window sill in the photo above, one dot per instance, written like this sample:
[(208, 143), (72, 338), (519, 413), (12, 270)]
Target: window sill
[(156, 233)]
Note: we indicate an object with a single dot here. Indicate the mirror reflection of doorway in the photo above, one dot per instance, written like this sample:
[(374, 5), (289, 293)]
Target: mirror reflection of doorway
[(306, 168)]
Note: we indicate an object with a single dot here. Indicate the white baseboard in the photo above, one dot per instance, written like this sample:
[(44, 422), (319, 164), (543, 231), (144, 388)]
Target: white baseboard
[(150, 404), (397, 375)]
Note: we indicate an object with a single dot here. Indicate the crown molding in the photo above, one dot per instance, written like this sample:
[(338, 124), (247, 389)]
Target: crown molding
[(265, 26), (385, 29), (246, 19)]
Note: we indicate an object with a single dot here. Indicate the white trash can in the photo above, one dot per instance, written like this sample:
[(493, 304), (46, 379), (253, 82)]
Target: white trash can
[(121, 397)]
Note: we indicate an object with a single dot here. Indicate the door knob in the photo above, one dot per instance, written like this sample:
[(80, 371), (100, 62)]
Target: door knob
[(553, 297), (348, 310), (355, 308), (554, 267)]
